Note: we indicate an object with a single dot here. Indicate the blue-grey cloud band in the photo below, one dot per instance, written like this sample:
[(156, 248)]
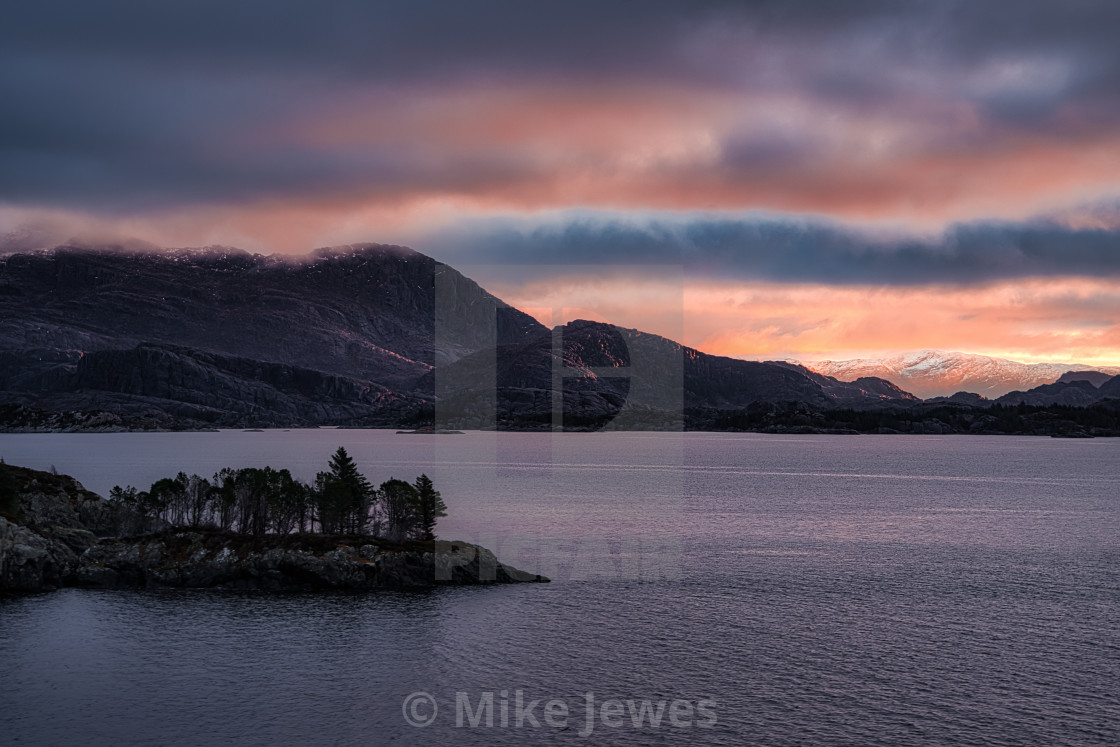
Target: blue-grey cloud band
[(774, 248)]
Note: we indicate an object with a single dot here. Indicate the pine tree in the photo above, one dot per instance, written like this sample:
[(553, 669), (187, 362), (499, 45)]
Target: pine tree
[(429, 507), (348, 492)]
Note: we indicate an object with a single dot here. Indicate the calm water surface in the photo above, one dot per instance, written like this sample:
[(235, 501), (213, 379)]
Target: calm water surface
[(863, 590)]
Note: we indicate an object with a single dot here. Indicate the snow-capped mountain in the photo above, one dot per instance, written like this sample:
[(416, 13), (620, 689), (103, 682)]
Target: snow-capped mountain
[(938, 373)]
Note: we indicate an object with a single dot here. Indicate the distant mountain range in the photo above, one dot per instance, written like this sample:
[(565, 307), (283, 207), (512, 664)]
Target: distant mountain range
[(382, 336), (364, 335), (633, 379), (936, 373)]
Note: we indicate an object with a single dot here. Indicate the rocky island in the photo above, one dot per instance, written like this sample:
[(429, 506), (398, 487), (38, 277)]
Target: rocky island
[(54, 533)]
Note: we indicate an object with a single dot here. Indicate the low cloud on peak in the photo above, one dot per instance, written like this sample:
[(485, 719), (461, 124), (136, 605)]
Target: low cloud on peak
[(763, 247)]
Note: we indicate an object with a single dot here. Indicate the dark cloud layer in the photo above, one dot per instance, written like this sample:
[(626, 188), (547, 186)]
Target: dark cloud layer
[(783, 250), (125, 106), (379, 40)]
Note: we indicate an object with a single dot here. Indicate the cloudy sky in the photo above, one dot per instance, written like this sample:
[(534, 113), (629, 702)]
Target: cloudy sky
[(762, 179)]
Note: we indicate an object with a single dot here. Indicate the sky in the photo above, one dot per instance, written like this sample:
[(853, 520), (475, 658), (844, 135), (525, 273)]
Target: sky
[(764, 179)]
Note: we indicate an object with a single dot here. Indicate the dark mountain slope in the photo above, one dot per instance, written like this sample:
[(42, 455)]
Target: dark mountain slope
[(862, 392), (228, 338), (634, 378), (1096, 378), (194, 388), (365, 335), (1110, 388), (368, 312), (1078, 393)]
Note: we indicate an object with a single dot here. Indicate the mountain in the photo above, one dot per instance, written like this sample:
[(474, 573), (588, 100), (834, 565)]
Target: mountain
[(629, 379), (364, 335), (859, 392), (382, 336), (1073, 393), (935, 373), (223, 337), (1096, 378), (962, 398)]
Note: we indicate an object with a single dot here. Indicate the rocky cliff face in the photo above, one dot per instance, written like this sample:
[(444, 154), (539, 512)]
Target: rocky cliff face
[(46, 525), (32, 562)]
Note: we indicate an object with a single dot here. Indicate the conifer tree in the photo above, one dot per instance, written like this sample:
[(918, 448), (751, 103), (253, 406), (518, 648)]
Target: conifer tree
[(429, 507), (347, 492)]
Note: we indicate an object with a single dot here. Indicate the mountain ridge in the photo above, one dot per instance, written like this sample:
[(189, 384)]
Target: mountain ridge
[(936, 373), (362, 335)]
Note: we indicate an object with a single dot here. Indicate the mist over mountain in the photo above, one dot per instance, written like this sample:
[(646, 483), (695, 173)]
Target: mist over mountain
[(937, 373)]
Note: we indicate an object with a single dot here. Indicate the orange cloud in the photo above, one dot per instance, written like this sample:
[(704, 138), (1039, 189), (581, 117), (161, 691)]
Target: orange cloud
[(625, 146), (1028, 320)]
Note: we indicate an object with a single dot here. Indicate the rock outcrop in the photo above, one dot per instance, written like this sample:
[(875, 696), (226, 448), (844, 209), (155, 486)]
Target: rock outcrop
[(46, 522), (32, 562), (48, 501)]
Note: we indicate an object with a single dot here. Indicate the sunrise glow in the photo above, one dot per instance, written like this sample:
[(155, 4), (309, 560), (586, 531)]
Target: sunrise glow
[(824, 184)]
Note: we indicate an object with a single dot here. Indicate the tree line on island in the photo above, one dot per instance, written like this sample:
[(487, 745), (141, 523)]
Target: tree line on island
[(259, 501)]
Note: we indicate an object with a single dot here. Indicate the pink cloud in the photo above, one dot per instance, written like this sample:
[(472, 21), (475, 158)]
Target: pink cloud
[(1027, 320)]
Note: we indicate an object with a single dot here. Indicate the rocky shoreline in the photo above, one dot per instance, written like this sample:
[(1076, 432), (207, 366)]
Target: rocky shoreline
[(208, 560), (946, 417), (54, 533)]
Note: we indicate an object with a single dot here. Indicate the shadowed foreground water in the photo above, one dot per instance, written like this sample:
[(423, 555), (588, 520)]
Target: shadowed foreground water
[(895, 590)]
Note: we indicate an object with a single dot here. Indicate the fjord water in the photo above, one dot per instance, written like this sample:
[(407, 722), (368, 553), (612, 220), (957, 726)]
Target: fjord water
[(868, 590)]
